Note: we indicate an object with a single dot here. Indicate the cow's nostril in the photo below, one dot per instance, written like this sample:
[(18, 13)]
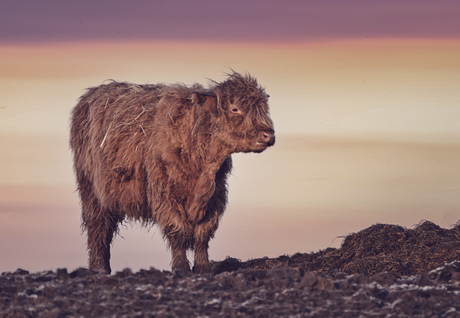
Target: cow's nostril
[(268, 138)]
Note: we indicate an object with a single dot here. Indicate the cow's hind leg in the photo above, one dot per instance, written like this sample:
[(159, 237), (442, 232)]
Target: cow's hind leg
[(100, 225), (100, 235)]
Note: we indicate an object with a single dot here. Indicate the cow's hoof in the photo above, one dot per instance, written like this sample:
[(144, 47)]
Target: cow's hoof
[(182, 268), (205, 268)]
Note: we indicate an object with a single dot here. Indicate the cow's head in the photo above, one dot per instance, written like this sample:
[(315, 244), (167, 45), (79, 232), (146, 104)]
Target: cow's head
[(242, 118)]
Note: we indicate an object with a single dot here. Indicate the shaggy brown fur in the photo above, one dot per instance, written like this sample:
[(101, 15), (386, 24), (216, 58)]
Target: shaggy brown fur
[(161, 154)]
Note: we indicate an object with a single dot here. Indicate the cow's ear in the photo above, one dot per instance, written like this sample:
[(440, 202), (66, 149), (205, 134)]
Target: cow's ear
[(206, 96)]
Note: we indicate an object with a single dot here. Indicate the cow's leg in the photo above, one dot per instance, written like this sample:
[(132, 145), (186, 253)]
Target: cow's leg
[(100, 232), (179, 262), (100, 225), (203, 233), (205, 228), (179, 243)]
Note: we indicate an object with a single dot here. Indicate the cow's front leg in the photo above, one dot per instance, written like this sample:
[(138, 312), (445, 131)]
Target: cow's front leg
[(179, 261), (203, 233), (202, 265), (179, 243)]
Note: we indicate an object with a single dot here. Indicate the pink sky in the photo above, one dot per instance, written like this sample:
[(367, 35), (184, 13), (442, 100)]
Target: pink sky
[(239, 20)]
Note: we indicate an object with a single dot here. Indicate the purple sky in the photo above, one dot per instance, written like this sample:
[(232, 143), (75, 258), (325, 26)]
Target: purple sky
[(236, 20)]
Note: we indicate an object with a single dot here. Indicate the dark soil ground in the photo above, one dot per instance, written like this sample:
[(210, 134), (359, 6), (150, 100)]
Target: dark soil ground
[(382, 271)]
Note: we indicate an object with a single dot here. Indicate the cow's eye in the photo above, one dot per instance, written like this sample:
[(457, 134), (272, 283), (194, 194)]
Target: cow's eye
[(235, 110)]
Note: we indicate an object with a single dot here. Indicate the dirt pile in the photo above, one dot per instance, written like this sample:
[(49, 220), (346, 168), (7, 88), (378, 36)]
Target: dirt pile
[(382, 271), (379, 248)]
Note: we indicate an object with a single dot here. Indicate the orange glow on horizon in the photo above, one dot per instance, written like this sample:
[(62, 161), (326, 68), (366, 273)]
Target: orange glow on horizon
[(71, 59)]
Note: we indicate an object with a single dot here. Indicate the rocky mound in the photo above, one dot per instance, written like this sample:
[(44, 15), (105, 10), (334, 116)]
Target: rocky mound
[(382, 271)]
